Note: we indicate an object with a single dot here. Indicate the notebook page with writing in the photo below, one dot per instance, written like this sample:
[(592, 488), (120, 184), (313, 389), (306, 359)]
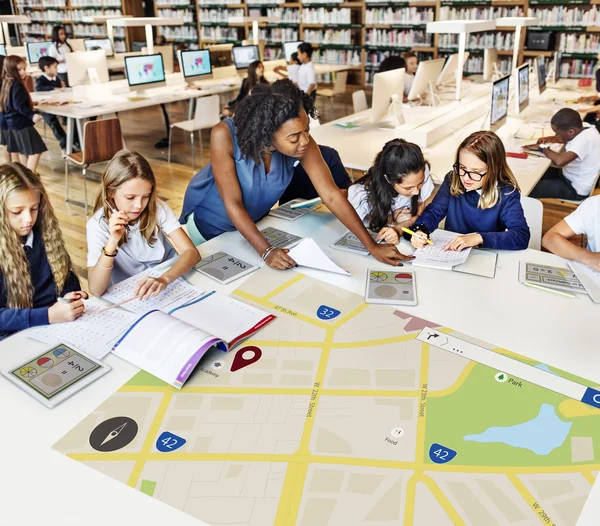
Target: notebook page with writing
[(165, 347), (436, 257), (227, 318)]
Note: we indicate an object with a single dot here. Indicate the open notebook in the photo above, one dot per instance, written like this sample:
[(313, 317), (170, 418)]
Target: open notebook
[(169, 346)]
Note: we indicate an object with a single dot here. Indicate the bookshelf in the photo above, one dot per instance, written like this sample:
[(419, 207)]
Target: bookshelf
[(185, 34)]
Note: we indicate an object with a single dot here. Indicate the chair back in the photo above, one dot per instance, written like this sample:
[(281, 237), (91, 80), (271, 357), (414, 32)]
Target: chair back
[(224, 72), (534, 214), (339, 85), (359, 101), (208, 112), (77, 44), (167, 55), (102, 139), (29, 84)]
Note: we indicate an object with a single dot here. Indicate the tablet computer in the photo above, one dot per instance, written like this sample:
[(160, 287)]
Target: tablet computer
[(392, 287)]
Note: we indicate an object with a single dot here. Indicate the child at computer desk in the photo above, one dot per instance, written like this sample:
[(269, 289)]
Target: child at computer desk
[(479, 198), (393, 192)]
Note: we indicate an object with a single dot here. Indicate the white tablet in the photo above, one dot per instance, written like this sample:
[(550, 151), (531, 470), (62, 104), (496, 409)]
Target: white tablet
[(557, 278), (224, 267), (294, 209), (56, 374), (279, 238), (350, 243), (391, 287)]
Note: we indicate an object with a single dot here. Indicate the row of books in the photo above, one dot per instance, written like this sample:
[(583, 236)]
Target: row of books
[(561, 15), (579, 43), (399, 15)]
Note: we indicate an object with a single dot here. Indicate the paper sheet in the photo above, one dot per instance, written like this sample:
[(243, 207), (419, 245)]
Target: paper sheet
[(93, 333), (435, 255), (589, 278), (176, 294), (309, 254)]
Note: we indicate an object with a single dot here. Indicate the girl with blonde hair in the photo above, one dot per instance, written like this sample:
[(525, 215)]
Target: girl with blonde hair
[(128, 232), (35, 268), (479, 198)]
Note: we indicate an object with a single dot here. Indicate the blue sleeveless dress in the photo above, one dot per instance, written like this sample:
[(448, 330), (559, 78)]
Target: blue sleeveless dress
[(260, 191)]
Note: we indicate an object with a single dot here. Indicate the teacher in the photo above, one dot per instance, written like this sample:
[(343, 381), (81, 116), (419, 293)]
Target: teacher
[(252, 159)]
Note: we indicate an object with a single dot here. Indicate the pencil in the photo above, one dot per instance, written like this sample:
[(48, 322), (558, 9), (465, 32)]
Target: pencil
[(409, 231), (560, 293), (117, 304)]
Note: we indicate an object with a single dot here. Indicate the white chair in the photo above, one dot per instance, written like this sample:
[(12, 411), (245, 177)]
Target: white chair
[(534, 214), (207, 115), (339, 88), (359, 101)]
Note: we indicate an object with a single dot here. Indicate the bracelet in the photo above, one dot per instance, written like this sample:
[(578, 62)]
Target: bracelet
[(108, 254), (107, 268), (267, 252)]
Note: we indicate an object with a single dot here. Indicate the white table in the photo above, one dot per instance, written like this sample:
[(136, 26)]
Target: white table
[(552, 329)]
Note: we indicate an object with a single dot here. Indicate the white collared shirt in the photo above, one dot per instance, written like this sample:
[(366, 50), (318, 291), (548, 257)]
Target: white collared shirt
[(29, 240), (52, 79)]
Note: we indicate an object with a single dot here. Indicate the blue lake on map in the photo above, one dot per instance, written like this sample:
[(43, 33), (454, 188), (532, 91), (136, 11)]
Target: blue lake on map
[(541, 435)]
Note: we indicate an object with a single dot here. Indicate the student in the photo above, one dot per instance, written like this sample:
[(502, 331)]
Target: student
[(128, 232), (412, 63), (5, 155), (301, 187), (307, 76), (391, 63), (49, 81), (59, 49), (585, 220), (35, 268), (252, 159), (392, 193), (290, 71), (255, 76), (18, 115), (479, 198), (576, 169)]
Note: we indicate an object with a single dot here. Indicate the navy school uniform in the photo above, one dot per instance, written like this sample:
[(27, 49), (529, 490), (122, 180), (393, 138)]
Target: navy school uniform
[(20, 134)]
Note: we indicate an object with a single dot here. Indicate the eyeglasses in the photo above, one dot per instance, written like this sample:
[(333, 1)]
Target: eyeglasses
[(474, 176)]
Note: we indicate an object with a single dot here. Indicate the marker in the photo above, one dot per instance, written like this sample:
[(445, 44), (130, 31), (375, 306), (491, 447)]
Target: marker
[(560, 293), (117, 304), (240, 362), (409, 231)]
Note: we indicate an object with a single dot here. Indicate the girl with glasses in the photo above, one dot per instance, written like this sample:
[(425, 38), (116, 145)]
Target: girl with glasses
[(479, 198), (393, 192)]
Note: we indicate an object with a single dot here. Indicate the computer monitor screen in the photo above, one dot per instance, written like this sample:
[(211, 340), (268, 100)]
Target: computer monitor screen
[(92, 44), (522, 87), (144, 69), (426, 76), (35, 50), (385, 85), (2, 49), (195, 63), (499, 108), (541, 73), (243, 56), (291, 47)]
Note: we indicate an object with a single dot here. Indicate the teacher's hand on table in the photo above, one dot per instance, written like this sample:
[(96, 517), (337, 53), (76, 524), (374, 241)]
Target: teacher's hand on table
[(389, 255), (278, 259)]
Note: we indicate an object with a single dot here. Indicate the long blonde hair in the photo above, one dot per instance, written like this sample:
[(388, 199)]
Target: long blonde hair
[(10, 75), (124, 167), (15, 177), (488, 148)]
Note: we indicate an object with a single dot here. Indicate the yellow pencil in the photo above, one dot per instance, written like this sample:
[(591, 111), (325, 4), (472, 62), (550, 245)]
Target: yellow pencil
[(560, 293), (409, 231)]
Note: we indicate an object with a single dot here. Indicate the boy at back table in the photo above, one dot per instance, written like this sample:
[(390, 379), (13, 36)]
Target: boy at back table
[(307, 76), (575, 170)]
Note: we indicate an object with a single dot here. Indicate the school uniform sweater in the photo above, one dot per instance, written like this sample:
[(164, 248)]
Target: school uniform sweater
[(43, 83), (502, 226), (18, 115), (44, 295)]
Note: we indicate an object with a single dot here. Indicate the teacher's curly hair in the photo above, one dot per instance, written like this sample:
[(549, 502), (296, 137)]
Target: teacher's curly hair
[(264, 111)]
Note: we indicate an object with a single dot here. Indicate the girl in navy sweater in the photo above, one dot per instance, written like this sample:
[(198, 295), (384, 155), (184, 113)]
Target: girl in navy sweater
[(479, 198), (19, 118), (35, 268)]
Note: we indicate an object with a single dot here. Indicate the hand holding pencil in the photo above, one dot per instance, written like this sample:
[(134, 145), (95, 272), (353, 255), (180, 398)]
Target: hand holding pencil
[(419, 239)]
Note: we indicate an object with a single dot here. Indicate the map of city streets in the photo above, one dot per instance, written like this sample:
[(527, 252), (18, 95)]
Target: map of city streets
[(341, 413)]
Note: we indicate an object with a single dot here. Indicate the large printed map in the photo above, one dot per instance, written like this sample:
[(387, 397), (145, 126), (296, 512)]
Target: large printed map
[(342, 414)]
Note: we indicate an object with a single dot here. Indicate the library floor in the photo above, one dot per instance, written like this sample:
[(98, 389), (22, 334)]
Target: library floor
[(142, 129)]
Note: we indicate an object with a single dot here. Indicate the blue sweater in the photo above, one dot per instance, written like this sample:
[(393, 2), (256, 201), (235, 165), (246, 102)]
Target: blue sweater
[(503, 226), (44, 295), (18, 115)]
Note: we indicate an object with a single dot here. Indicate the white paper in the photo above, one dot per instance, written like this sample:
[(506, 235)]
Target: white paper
[(435, 256), (308, 254), (589, 278), (93, 333), (176, 294)]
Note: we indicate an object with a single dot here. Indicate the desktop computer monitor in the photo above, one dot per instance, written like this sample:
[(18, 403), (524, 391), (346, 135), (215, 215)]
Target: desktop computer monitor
[(195, 64), (91, 44), (2, 49), (448, 74), (243, 56), (35, 50), (145, 71), (426, 76), (490, 63), (385, 86), (291, 47), (522, 87), (541, 73), (81, 65), (556, 71), (499, 107)]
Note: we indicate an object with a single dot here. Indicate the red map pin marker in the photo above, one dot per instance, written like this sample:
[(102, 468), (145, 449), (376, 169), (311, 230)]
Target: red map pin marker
[(240, 361)]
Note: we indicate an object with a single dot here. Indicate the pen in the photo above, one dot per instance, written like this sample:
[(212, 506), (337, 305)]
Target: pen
[(409, 231), (560, 293), (117, 304), (114, 211)]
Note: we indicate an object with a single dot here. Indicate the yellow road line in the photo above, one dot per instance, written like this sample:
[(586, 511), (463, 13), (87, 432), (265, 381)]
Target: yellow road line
[(530, 499), (409, 503), (456, 385), (289, 485), (589, 477), (281, 288), (443, 500), (421, 420), (273, 343), (383, 393), (374, 343), (150, 437), (349, 316), (222, 390)]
